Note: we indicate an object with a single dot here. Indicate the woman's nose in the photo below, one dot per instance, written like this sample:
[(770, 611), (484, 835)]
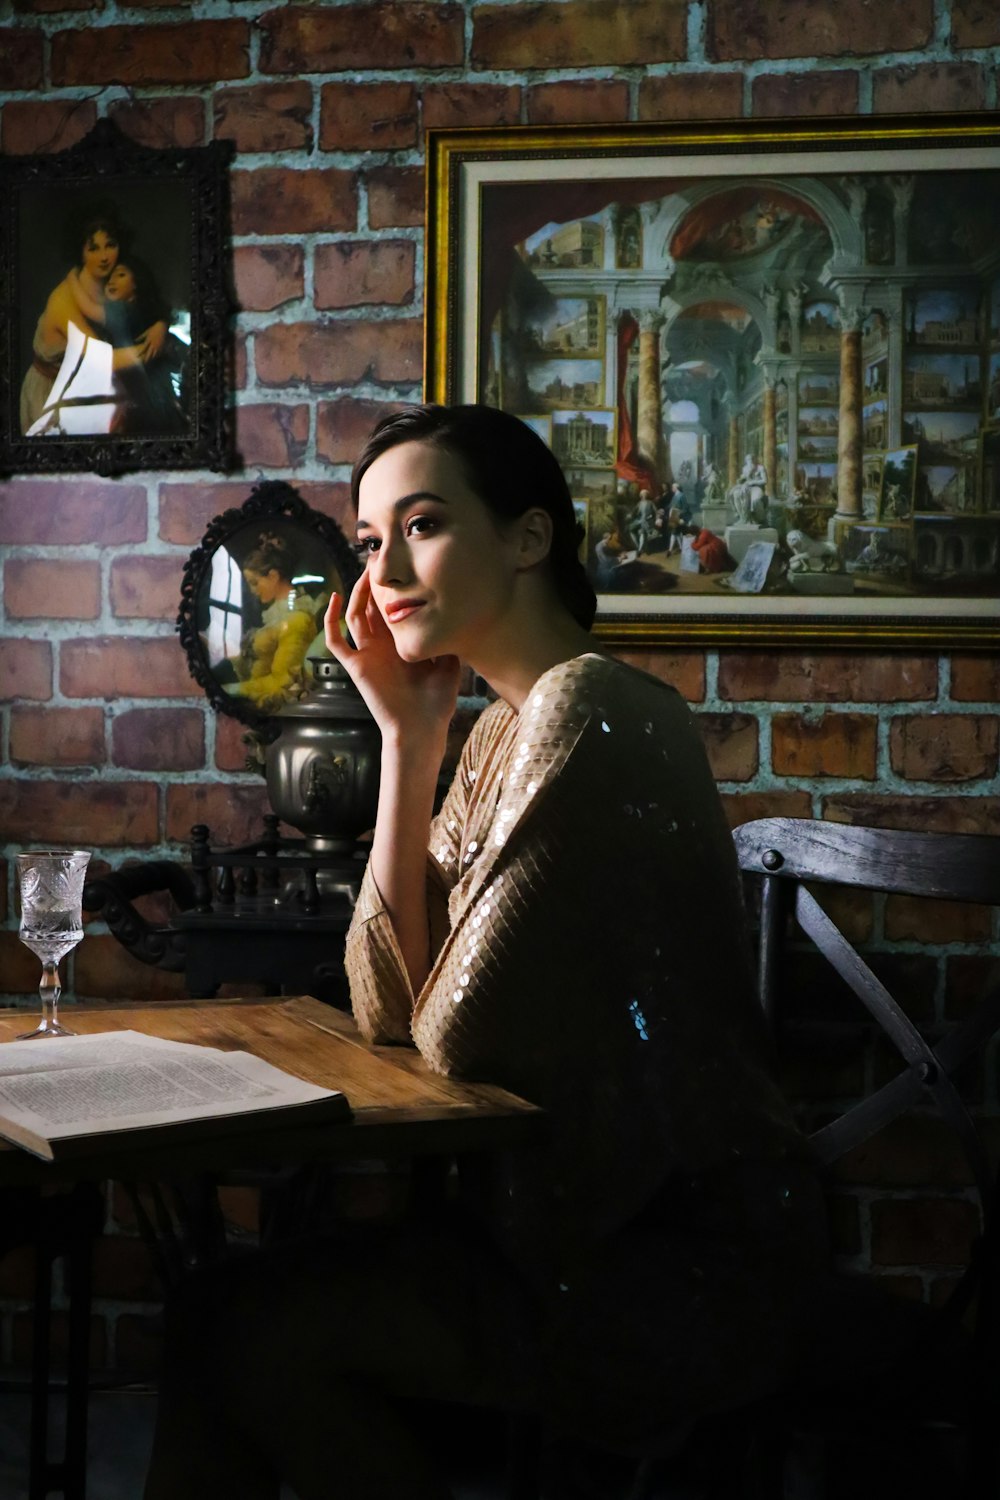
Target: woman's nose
[(391, 563)]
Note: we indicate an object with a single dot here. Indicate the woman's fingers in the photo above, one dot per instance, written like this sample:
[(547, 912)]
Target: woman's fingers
[(332, 634)]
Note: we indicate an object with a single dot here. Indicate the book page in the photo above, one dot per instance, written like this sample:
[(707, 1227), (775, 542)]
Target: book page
[(59, 1087)]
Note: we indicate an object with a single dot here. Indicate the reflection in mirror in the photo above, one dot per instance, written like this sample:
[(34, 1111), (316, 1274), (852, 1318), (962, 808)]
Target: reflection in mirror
[(253, 599)]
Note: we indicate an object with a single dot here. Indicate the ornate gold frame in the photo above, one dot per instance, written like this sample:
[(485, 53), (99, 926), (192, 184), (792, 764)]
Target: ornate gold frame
[(466, 167)]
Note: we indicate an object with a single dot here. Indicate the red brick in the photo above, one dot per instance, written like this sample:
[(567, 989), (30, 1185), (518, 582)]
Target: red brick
[(909, 89), (186, 509), (345, 353), (395, 197), (454, 106), (235, 745), (976, 679), (828, 745), (744, 807), (691, 96), (944, 747), (57, 736), (683, 670), (367, 116), (731, 742), (922, 1231), (353, 273), (746, 30), (974, 23), (69, 512), (579, 34), (25, 669), (79, 813), (923, 814), (907, 1153), (114, 667), (589, 101), (233, 813), (38, 588), (791, 95), (852, 910), (376, 35), (278, 200), (273, 437), (265, 117), (826, 677), (173, 121), (342, 426), (105, 970), (919, 920), (21, 60), (190, 52), (146, 588), (159, 739), (268, 276), (42, 125)]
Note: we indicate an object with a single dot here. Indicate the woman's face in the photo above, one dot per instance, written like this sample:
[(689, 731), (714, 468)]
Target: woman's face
[(100, 254), (266, 586), (120, 286), (440, 564)]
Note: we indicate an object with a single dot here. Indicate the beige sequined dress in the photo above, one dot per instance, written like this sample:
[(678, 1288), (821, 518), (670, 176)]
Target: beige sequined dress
[(585, 910)]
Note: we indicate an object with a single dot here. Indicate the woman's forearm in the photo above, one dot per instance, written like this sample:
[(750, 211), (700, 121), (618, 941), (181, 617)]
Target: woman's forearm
[(408, 782)]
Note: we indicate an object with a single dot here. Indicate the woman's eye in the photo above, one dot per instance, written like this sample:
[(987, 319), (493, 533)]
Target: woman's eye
[(419, 525), (366, 545)]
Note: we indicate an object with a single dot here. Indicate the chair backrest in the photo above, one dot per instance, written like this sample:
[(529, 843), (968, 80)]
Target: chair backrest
[(789, 853)]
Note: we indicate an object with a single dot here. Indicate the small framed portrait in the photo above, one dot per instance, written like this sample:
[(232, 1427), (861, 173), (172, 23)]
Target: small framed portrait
[(113, 285)]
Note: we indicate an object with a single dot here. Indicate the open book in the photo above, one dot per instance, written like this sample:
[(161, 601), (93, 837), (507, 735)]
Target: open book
[(58, 1093)]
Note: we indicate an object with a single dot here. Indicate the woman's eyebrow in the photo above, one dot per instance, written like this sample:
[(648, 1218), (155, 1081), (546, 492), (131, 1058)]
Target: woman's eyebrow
[(404, 501)]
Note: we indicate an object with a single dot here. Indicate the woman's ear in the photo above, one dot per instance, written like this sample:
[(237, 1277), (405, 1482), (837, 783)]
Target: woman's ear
[(534, 537)]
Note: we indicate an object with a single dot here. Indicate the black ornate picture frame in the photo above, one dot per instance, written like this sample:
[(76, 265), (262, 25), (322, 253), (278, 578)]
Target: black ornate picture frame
[(115, 308), (248, 646)]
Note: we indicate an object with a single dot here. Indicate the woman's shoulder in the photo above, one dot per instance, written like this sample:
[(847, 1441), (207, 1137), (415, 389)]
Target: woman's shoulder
[(598, 681)]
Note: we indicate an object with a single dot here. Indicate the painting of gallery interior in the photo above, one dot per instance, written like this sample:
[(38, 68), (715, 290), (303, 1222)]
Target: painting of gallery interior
[(784, 384)]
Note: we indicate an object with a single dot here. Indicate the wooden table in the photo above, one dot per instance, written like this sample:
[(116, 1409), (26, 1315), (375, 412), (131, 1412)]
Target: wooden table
[(400, 1108)]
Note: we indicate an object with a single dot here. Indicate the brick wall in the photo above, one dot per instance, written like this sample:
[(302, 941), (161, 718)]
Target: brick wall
[(106, 741)]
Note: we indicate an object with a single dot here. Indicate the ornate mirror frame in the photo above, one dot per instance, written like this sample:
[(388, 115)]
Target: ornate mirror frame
[(274, 513)]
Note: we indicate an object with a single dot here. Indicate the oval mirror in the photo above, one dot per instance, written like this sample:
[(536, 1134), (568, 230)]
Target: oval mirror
[(253, 597)]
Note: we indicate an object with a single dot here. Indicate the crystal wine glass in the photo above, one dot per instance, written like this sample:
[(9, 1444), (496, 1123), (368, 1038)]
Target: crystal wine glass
[(51, 889)]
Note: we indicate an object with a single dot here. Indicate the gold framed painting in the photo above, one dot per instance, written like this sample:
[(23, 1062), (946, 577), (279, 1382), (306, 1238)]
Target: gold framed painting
[(766, 354)]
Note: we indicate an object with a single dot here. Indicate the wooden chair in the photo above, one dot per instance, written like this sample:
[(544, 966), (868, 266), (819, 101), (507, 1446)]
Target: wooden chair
[(790, 855)]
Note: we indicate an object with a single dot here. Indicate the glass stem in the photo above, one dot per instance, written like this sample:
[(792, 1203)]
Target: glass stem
[(50, 989)]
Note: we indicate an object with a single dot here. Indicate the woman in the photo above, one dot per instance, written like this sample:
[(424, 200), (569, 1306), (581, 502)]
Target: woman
[(569, 927), (79, 298), (271, 657)]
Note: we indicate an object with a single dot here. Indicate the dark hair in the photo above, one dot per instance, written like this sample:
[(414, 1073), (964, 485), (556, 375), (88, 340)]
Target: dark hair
[(86, 222), (509, 467), (270, 554), (125, 320)]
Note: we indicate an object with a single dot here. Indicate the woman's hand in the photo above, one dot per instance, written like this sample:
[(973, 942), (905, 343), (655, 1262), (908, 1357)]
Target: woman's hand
[(152, 341), (408, 700)]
